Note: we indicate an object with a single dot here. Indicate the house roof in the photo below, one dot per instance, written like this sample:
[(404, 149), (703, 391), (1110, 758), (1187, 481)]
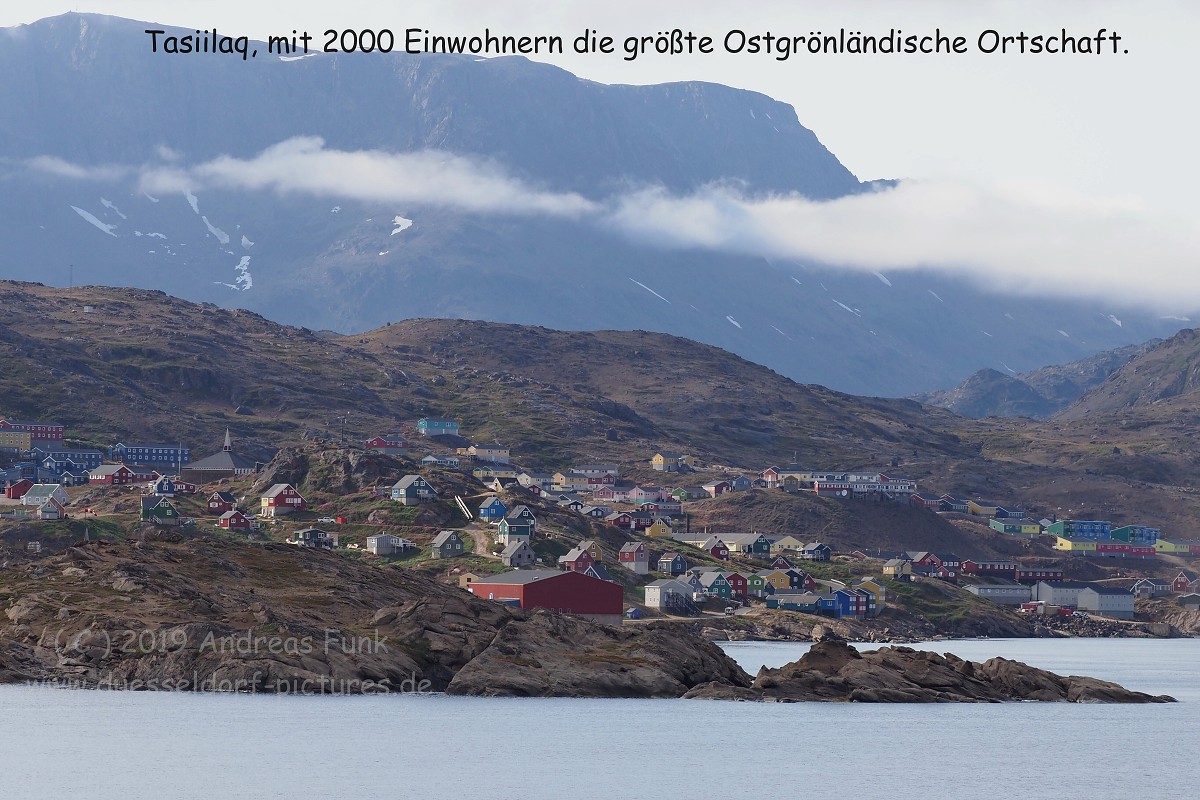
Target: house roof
[(107, 469), (232, 514), (444, 537), (574, 554), (224, 496), (407, 481), (512, 548), (278, 489), (524, 576), (600, 571), (631, 547), (42, 490), (224, 460), (1109, 590), (517, 511)]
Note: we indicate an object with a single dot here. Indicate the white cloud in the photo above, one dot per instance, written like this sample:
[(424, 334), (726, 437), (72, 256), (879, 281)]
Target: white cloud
[(65, 169), (305, 165), (1018, 238), (1022, 239)]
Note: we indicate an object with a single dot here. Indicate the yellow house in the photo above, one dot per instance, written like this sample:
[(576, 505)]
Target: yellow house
[(875, 588), (1033, 528), (777, 578), (659, 530), (1074, 545), (593, 548), (489, 452), (786, 544), (494, 471), (467, 578), (16, 440), (896, 567), (982, 508), (569, 482), (1166, 546)]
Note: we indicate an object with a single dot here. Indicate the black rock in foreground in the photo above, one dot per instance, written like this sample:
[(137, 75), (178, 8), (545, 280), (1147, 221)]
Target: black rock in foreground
[(835, 671)]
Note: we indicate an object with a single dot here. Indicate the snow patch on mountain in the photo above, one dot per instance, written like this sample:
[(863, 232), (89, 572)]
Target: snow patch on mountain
[(1064, 333), (193, 201), (109, 204), (935, 296), (882, 278), (1115, 321), (733, 321), (402, 224), (651, 291), (89, 217), (221, 235), (854, 311)]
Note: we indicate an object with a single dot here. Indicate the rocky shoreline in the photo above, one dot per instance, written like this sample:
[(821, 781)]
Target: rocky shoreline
[(211, 615), (775, 626), (834, 671)]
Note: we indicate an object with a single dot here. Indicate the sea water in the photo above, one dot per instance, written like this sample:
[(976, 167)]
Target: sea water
[(156, 745)]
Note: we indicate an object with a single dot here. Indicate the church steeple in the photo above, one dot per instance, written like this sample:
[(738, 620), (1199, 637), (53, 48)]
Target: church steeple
[(228, 442)]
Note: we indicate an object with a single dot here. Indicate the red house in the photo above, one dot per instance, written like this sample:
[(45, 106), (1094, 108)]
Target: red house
[(737, 584), (832, 488), (220, 502), (15, 491), (281, 499), (235, 521), (1183, 583), (390, 443), (781, 563), (771, 476), (578, 560), (716, 548), (113, 475), (564, 592)]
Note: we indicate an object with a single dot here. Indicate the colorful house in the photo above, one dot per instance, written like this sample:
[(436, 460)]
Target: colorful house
[(672, 462), (738, 585), (1136, 534), (280, 500), (411, 490), (672, 563), (715, 548), (220, 502), (111, 475), (510, 531), (568, 592), (15, 491), (593, 549), (492, 509), (716, 585), (159, 510), (315, 538), (816, 551), (39, 493), (495, 453), (716, 488), (635, 558), (577, 560), (982, 508), (437, 426), (659, 529), (234, 521), (388, 444), (1081, 529)]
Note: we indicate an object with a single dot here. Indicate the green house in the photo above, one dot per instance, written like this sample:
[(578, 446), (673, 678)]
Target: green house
[(159, 510), (714, 583), (1005, 526), (758, 585)]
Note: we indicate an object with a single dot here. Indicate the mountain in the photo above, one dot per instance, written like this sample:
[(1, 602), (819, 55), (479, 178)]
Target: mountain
[(499, 218), (1163, 377), (1038, 394), (133, 363)]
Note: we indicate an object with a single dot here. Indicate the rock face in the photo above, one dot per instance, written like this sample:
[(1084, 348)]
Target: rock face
[(833, 670), (208, 615), (548, 655)]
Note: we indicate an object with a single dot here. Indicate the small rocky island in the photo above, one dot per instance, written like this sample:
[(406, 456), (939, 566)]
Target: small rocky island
[(832, 670), (204, 614)]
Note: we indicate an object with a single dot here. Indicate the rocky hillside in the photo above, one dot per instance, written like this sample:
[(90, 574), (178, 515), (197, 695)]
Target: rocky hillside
[(1166, 374), (1037, 394), (211, 615)]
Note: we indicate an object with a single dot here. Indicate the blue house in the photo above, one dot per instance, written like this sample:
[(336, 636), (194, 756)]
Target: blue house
[(827, 604), (492, 509), (437, 426), (152, 455), (163, 487), (673, 564), (59, 461)]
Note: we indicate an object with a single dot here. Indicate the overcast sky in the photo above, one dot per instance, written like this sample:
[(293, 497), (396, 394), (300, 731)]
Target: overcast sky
[(1114, 130)]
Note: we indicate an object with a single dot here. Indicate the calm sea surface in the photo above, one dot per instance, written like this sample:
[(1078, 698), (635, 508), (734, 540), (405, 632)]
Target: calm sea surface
[(157, 746)]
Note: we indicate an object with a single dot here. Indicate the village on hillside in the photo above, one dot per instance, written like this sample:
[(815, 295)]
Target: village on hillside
[(584, 540)]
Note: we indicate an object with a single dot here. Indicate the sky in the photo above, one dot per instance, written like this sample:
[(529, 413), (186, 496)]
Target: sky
[(1099, 147)]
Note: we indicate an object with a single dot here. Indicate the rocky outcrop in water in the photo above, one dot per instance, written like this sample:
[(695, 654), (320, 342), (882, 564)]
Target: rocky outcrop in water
[(832, 670)]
